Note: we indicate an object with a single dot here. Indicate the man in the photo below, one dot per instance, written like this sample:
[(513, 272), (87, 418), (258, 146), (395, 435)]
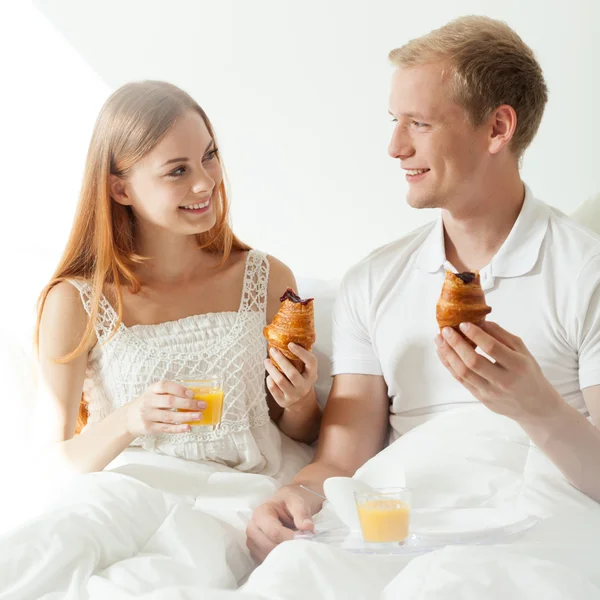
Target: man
[(467, 100)]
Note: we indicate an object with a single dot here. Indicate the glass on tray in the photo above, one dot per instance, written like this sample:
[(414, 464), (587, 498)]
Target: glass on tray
[(384, 514)]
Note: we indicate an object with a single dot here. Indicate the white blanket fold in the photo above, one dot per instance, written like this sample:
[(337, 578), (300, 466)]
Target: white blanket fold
[(162, 528)]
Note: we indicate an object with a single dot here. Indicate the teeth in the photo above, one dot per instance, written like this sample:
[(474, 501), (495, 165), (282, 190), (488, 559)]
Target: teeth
[(415, 171), (196, 206)]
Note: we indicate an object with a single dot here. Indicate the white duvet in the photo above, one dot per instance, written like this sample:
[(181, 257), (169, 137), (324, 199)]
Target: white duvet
[(162, 528)]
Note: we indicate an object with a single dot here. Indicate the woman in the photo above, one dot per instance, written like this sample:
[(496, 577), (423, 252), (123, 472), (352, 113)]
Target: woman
[(154, 286)]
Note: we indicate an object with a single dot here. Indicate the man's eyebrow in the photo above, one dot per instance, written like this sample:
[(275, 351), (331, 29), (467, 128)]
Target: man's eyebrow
[(410, 115)]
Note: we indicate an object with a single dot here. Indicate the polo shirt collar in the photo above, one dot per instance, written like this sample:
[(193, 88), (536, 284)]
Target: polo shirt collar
[(518, 254)]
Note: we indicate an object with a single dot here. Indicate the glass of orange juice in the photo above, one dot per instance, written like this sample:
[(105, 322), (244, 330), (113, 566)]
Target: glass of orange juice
[(209, 390), (384, 514)]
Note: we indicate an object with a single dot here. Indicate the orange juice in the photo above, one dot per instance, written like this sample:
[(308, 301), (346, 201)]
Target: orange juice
[(384, 520), (211, 415)]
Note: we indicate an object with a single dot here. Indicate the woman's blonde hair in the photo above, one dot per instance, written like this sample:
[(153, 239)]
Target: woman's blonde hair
[(101, 246), (490, 66)]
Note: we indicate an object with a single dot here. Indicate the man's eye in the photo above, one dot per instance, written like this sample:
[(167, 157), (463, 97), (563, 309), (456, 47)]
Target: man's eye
[(418, 124)]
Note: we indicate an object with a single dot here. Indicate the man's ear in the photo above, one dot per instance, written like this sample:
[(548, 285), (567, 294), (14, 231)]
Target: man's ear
[(118, 190), (503, 122)]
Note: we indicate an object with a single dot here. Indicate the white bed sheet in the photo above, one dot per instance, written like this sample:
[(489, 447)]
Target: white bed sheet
[(468, 457), (167, 529), (148, 524)]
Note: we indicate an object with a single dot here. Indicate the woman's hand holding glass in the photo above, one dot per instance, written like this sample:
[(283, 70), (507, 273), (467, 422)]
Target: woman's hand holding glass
[(154, 411)]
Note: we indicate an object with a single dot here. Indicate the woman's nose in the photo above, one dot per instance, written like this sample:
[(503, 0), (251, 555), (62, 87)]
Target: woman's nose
[(203, 183)]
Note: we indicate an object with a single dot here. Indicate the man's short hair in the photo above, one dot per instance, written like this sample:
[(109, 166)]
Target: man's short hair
[(490, 66)]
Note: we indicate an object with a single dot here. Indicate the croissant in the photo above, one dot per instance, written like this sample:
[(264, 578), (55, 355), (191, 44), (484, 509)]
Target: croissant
[(294, 322), (462, 300)]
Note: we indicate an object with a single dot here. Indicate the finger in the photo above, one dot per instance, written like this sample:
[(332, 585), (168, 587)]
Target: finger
[(512, 341), (169, 401), (300, 513), (170, 387), (258, 543), (256, 553), (493, 347), (471, 388), (457, 367), (277, 394), (289, 370), (308, 358), (474, 361), (164, 428), (442, 356), (268, 520), (171, 416), (282, 381)]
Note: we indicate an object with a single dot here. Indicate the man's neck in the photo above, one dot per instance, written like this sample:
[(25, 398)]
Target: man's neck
[(472, 237)]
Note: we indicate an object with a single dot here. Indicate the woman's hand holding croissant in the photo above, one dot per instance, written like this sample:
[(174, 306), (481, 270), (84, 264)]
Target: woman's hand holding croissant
[(290, 388)]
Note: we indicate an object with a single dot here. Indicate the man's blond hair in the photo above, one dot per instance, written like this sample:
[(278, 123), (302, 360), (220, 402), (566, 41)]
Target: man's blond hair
[(490, 66)]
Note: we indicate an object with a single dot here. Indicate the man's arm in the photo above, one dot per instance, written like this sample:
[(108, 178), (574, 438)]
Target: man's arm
[(353, 430), (515, 386), (591, 397), (354, 425), (571, 442)]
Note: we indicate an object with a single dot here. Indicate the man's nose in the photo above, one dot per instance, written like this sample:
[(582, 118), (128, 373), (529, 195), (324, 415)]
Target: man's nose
[(401, 145)]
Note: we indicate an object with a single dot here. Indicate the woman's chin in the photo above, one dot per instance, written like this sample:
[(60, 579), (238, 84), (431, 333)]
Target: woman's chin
[(197, 224)]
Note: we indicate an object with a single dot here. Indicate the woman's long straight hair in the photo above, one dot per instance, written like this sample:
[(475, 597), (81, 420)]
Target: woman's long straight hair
[(101, 245)]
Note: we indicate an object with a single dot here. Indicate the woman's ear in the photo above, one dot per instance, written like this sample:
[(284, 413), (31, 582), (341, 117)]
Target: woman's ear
[(118, 190)]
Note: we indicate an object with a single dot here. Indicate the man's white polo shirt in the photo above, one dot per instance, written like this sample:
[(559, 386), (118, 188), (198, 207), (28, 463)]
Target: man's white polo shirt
[(543, 285)]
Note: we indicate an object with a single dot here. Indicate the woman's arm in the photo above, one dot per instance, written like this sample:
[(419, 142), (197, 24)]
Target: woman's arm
[(291, 397), (60, 388)]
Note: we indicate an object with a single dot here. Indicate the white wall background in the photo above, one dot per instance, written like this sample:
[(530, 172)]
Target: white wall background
[(297, 92)]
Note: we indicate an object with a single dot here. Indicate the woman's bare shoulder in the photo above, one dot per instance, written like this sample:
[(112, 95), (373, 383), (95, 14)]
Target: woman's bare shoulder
[(64, 319)]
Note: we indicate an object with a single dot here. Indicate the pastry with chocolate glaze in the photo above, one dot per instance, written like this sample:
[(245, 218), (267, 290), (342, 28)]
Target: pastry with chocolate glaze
[(294, 322), (462, 301)]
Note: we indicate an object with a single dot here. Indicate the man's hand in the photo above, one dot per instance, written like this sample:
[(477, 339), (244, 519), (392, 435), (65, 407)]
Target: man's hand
[(276, 520), (514, 385), (343, 448)]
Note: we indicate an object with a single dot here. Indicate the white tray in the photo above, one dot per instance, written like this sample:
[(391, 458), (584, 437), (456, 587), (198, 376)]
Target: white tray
[(431, 530)]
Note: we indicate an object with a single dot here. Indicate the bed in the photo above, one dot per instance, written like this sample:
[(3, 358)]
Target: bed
[(152, 526)]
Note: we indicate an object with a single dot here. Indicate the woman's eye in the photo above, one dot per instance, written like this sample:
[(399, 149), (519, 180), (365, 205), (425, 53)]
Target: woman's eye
[(177, 172), (212, 154)]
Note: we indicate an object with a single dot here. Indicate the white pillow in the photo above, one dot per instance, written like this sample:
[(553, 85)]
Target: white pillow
[(588, 214), (324, 292)]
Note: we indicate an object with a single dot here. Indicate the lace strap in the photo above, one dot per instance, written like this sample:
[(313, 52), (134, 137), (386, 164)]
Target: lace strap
[(107, 316), (256, 279)]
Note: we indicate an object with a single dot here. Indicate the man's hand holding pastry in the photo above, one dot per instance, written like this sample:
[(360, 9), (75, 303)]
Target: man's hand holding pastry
[(511, 384)]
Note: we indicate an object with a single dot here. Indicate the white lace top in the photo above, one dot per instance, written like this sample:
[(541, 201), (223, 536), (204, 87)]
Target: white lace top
[(229, 344)]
